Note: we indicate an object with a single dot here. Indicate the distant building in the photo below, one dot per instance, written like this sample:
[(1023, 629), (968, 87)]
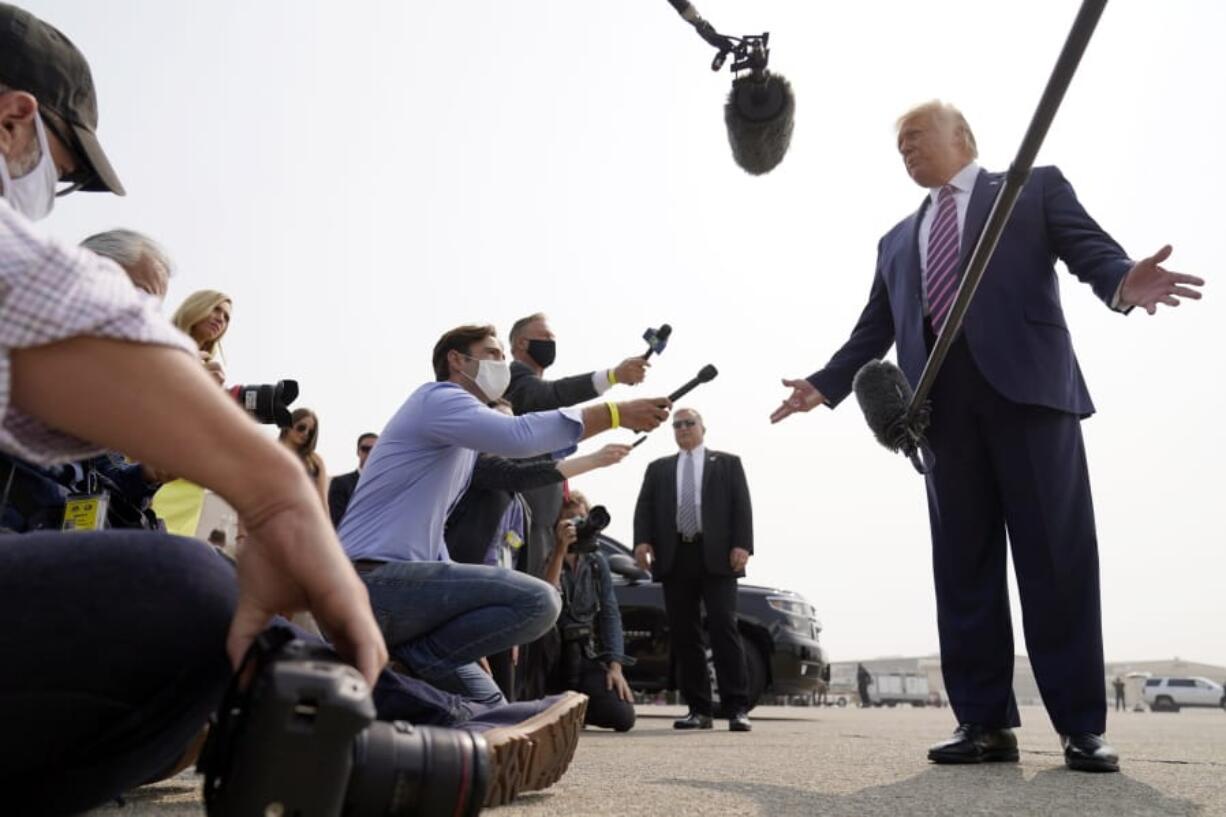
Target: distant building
[(1025, 688)]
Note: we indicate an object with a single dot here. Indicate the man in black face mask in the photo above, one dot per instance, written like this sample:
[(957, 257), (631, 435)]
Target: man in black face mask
[(533, 349)]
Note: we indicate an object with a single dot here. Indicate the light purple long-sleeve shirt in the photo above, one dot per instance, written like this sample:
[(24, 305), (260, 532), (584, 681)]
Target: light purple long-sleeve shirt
[(422, 464)]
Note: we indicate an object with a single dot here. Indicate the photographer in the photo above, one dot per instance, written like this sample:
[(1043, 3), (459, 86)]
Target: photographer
[(117, 644), (590, 625)]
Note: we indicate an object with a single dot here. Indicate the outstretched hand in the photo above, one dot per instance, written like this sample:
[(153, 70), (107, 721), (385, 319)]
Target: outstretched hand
[(1149, 284), (804, 397)]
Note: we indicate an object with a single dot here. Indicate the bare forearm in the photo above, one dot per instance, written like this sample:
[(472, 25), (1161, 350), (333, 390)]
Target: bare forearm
[(596, 419), (575, 466)]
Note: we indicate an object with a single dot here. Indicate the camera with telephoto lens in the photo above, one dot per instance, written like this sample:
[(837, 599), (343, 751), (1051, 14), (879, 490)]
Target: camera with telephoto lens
[(588, 528), (301, 739), (268, 404)]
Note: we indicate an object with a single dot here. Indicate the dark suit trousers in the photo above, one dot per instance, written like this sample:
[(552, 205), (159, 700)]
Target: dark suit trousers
[(687, 586), (1001, 466)]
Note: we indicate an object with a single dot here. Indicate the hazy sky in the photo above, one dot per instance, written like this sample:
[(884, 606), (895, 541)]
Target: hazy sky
[(362, 176)]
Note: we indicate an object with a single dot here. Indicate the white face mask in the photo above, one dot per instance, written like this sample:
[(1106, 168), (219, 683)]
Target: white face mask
[(493, 377), (33, 194)]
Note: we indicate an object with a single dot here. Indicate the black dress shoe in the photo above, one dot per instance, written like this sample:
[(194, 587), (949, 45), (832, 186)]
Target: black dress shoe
[(973, 743), (739, 722), (693, 721), (1089, 753)]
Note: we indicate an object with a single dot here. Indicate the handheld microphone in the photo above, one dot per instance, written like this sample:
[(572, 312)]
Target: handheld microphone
[(705, 375), (656, 339), (760, 109), (885, 398)]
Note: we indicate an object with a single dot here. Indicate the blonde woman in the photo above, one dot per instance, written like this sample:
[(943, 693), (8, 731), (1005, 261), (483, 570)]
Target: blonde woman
[(205, 317), (300, 438)]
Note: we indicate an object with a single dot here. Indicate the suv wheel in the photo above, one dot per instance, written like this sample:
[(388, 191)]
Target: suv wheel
[(1165, 703), (755, 666)]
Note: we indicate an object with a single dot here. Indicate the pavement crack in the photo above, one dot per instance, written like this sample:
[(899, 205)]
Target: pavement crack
[(1130, 759)]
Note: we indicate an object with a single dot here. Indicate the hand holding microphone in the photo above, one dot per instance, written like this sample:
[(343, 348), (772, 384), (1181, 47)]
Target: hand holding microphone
[(644, 415), (633, 370)]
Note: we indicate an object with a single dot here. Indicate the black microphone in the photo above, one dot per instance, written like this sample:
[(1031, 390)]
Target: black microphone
[(885, 396), (760, 110), (705, 375), (656, 339)]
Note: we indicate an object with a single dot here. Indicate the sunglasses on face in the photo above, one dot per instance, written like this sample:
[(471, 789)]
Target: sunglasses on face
[(684, 423), (365, 449)]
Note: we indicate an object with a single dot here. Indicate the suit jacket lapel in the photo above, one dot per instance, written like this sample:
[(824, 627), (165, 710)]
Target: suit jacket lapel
[(707, 468), (987, 186), (670, 488)]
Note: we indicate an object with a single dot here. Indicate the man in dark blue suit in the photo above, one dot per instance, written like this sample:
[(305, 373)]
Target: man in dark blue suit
[(1005, 432)]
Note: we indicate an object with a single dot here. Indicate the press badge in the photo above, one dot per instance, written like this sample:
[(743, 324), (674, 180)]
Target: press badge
[(86, 511)]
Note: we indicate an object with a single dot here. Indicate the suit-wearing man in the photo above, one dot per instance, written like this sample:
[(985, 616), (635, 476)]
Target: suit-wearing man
[(340, 489), (533, 349), (694, 527), (1005, 432)]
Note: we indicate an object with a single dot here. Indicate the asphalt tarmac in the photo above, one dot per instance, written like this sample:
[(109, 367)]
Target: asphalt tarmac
[(850, 763)]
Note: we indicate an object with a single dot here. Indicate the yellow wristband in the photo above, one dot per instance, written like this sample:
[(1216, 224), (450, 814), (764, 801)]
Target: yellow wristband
[(615, 416), (612, 379)]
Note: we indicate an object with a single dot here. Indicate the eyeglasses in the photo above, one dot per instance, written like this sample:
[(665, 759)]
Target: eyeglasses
[(684, 423), (365, 449), (303, 428)]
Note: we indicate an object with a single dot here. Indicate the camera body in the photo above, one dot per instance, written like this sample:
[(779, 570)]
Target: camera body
[(267, 403), (302, 739), (588, 528)]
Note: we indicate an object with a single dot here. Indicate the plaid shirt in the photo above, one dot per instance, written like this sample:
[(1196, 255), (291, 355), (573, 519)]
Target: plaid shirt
[(50, 291)]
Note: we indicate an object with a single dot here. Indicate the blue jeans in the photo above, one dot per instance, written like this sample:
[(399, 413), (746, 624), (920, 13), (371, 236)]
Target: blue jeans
[(439, 618)]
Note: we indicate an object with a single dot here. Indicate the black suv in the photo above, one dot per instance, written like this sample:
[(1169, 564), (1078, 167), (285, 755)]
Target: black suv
[(779, 628)]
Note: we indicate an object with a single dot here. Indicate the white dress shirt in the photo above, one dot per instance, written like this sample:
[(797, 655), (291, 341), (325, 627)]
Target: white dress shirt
[(963, 183), (699, 454)]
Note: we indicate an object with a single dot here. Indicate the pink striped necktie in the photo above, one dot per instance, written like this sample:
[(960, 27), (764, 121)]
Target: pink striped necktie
[(943, 251)]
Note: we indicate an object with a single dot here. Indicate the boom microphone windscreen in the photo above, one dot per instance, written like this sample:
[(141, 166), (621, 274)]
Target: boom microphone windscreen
[(759, 114), (884, 396)]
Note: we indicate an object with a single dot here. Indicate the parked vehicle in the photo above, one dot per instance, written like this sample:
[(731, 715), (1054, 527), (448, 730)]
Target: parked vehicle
[(894, 688), (779, 628), (1169, 694)]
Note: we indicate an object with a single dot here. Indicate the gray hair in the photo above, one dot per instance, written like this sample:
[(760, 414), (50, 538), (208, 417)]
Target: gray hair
[(520, 325), (127, 247)]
